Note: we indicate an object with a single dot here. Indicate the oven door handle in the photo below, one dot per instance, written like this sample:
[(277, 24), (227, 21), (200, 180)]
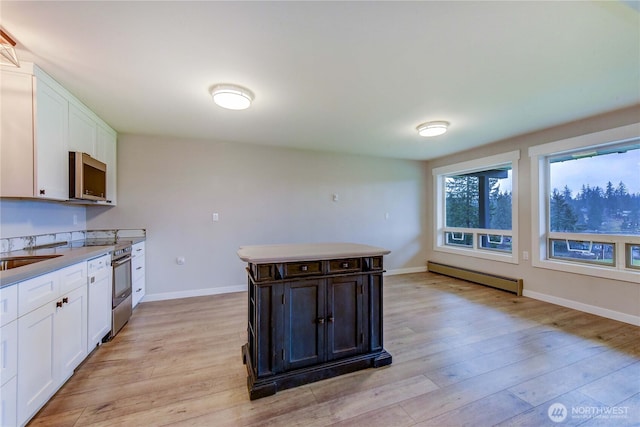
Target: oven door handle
[(121, 260)]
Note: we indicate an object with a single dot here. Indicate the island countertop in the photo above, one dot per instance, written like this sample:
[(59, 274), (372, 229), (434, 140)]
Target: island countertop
[(261, 254)]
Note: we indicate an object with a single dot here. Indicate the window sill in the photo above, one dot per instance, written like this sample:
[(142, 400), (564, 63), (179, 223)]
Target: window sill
[(476, 253), (611, 273)]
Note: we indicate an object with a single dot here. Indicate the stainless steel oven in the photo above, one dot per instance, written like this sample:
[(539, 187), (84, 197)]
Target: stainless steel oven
[(121, 302)]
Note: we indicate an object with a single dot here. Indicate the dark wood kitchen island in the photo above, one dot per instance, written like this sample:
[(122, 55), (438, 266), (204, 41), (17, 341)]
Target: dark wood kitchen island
[(314, 312)]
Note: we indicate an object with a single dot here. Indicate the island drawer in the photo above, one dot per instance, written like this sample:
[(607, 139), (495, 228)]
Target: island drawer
[(373, 263), (344, 265), (261, 272), (305, 268)]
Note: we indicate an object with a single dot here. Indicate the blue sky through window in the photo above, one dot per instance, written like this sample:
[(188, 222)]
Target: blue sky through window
[(597, 171)]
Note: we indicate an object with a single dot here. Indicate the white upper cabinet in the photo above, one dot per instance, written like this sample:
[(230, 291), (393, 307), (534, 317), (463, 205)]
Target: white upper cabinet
[(83, 132), (41, 123), (50, 143), (16, 130), (88, 134), (106, 151)]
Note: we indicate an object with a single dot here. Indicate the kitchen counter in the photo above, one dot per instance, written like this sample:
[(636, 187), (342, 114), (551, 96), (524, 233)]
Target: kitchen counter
[(261, 254), (71, 253)]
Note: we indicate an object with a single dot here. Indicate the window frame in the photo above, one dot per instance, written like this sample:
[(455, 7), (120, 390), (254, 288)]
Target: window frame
[(540, 194), (511, 158)]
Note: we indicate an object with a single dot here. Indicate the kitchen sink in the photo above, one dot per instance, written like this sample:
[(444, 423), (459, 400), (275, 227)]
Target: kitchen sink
[(8, 263)]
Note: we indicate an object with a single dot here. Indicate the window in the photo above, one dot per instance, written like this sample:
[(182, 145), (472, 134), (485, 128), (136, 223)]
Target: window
[(586, 199), (633, 256), (476, 207)]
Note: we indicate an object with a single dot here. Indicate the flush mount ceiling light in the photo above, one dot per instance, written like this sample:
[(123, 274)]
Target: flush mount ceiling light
[(7, 49), (432, 128), (231, 97)]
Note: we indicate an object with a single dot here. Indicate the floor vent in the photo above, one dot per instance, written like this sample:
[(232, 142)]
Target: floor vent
[(500, 282)]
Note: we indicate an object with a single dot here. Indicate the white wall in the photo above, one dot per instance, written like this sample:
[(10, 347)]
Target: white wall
[(610, 298), (270, 195), (263, 195), (28, 218)]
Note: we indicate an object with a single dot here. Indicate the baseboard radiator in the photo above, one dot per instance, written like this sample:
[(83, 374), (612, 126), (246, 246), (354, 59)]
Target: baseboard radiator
[(487, 279)]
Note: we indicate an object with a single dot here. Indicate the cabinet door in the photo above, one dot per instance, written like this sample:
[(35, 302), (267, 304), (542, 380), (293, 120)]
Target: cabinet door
[(70, 333), (8, 304), (138, 273), (16, 134), (138, 291), (344, 316), (8, 403), (72, 277), (99, 310), (304, 323), (36, 370), (8, 351), (51, 130), (36, 292), (82, 131), (106, 152)]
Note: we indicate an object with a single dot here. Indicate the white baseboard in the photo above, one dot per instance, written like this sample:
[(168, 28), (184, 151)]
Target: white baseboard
[(194, 293), (598, 311), (242, 288), (406, 271)]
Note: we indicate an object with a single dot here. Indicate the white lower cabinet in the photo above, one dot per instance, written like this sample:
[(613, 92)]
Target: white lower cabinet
[(8, 304), (52, 338), (8, 415), (138, 275), (8, 351), (8, 373), (8, 355), (70, 333), (36, 369), (99, 299)]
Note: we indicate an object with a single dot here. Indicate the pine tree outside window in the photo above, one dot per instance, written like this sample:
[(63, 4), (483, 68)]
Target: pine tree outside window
[(587, 192), (476, 206)]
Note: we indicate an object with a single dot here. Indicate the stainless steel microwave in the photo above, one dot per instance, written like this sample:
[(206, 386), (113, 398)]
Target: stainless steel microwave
[(87, 177)]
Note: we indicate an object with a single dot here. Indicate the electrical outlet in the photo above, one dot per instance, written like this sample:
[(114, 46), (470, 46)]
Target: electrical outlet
[(215, 217)]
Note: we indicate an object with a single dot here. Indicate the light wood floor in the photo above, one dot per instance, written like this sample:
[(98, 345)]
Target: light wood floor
[(463, 354)]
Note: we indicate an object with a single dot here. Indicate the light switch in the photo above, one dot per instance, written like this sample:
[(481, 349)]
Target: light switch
[(215, 216)]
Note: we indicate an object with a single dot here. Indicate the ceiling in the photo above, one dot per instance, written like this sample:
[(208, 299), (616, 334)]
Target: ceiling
[(355, 77)]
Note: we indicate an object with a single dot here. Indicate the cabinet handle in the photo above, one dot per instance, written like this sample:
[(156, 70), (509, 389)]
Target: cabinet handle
[(345, 265), (139, 268), (58, 304), (65, 300), (330, 319), (42, 192), (304, 268), (138, 290), (320, 320)]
